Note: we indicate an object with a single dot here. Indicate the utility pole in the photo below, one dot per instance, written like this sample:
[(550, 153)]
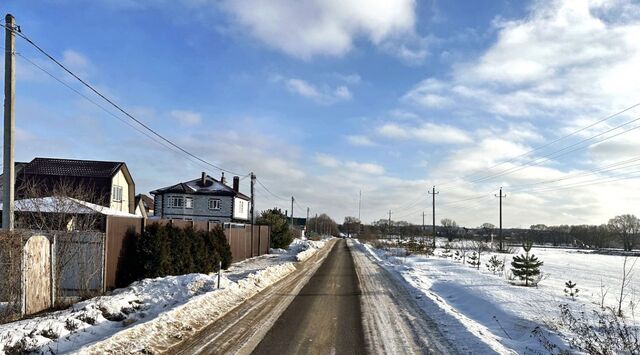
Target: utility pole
[(359, 204), (389, 224), (306, 224), (500, 232), (253, 216), (292, 201), (9, 122), (433, 194)]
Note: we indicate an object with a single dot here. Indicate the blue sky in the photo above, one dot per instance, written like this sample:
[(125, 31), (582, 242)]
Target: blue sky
[(322, 99)]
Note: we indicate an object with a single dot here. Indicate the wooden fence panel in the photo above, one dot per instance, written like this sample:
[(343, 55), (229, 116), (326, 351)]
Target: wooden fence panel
[(79, 258), (37, 274)]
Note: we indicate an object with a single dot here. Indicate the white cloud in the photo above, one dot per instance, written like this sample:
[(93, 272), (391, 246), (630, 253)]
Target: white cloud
[(76, 61), (367, 168), (305, 29), (186, 118), (426, 132), (323, 95), (361, 141), (564, 58), (327, 161), (352, 167)]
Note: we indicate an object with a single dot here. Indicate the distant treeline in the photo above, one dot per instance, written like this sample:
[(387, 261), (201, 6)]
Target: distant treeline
[(620, 232)]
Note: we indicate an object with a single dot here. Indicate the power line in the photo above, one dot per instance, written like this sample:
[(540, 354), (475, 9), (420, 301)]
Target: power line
[(102, 107), (269, 191), (554, 141), (115, 105), (554, 154), (606, 168)]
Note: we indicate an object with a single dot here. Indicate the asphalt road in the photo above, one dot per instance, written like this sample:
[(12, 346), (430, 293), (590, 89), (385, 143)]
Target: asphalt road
[(325, 317)]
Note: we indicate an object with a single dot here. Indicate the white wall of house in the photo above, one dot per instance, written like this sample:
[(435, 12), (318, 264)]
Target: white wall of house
[(241, 208), (123, 204)]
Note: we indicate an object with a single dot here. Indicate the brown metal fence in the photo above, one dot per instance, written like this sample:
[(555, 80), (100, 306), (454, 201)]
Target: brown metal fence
[(118, 231), (116, 246)]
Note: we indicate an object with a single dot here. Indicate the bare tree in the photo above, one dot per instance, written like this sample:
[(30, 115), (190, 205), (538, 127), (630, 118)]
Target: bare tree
[(627, 227), (61, 212), (627, 276), (450, 228), (10, 284)]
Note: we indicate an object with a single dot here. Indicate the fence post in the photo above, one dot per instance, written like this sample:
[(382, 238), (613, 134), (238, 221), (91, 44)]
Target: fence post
[(53, 251), (219, 272)]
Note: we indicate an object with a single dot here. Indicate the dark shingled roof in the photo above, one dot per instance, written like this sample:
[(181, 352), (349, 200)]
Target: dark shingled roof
[(71, 167), (146, 200), (194, 187)]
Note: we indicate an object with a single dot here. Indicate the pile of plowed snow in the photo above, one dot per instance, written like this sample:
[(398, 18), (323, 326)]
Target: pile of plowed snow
[(146, 309)]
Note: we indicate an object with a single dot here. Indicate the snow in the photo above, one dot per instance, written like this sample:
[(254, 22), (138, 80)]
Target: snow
[(470, 304), (150, 310), (67, 205)]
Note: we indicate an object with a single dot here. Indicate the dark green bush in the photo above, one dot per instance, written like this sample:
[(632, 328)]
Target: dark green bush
[(163, 250)]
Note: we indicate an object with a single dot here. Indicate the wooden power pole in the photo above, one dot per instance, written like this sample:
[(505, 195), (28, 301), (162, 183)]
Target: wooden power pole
[(433, 194), (501, 196), (9, 122)]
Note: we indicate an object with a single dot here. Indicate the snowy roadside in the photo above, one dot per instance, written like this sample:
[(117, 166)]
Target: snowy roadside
[(151, 311), (470, 304)]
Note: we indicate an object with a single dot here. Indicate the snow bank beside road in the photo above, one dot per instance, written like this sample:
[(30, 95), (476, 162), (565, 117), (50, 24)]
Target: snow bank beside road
[(308, 247), (150, 313), (475, 304)]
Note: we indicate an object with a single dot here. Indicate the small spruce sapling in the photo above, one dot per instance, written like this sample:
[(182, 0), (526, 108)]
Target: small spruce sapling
[(526, 266), (495, 265), (571, 290), (474, 260), (446, 253)]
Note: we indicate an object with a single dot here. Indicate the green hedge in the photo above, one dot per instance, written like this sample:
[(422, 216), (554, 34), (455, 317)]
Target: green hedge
[(163, 250)]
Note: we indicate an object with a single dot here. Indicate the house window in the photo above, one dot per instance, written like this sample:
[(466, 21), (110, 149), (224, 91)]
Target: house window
[(188, 202), (214, 204), (116, 193), (176, 202), (241, 207)]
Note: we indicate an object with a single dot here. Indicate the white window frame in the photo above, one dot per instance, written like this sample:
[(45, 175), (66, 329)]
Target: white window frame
[(188, 202), (212, 202), (172, 202), (116, 193)]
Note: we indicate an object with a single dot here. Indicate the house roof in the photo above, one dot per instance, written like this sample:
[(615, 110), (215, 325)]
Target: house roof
[(195, 187), (147, 201), (65, 205), (72, 167)]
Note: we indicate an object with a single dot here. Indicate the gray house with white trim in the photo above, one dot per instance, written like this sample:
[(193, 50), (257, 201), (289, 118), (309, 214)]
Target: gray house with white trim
[(203, 199)]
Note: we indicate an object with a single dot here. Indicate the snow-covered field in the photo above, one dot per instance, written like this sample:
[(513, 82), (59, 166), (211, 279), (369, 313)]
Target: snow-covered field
[(149, 309), (476, 303)]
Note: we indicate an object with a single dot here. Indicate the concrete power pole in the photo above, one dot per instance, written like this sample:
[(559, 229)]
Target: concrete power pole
[(9, 122), (389, 224), (292, 201), (433, 194), (501, 196), (252, 211), (359, 205), (306, 224)]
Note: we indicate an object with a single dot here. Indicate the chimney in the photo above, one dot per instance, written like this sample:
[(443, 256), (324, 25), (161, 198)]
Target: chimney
[(236, 183), (222, 179), (203, 181)]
